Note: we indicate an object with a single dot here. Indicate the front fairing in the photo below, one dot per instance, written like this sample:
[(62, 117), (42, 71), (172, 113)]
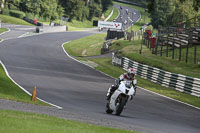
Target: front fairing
[(125, 90)]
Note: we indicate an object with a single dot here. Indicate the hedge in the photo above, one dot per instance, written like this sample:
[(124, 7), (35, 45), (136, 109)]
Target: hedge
[(17, 14)]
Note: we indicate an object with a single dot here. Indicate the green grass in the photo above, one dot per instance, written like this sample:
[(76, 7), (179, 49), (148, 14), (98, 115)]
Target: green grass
[(131, 50), (183, 54), (10, 91), (107, 12), (81, 24), (3, 30), (13, 20), (19, 122), (104, 65), (115, 14), (92, 45)]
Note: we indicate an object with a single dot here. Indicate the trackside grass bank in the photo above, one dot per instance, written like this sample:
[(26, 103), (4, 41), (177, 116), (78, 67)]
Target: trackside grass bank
[(115, 14), (3, 30), (8, 90), (87, 46), (104, 65), (13, 20), (19, 122), (131, 50)]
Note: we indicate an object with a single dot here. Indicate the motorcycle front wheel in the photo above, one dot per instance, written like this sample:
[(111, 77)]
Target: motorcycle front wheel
[(120, 106)]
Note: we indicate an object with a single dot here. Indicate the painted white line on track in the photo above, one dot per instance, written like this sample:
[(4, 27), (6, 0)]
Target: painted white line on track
[(80, 61), (25, 89), (171, 98), (138, 86), (23, 35), (118, 13)]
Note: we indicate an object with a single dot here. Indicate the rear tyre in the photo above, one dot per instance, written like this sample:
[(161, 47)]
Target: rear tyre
[(108, 110), (120, 107)]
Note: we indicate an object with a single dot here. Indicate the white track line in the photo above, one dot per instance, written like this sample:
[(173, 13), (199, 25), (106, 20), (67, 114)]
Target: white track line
[(80, 61), (23, 35), (138, 86), (118, 13), (109, 15), (25, 89)]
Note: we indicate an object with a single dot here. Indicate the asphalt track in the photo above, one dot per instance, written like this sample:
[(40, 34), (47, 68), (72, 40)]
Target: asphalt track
[(132, 13), (40, 60)]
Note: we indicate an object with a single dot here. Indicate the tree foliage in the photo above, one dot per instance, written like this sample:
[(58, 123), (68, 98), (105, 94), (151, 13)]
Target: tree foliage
[(53, 9), (170, 12)]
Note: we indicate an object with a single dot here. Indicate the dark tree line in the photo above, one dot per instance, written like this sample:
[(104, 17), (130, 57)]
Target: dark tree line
[(170, 12), (53, 9)]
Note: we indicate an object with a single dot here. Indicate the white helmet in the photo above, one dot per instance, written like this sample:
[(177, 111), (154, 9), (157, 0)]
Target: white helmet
[(131, 73)]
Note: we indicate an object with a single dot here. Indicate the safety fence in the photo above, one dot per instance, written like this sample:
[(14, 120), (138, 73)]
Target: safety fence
[(178, 82)]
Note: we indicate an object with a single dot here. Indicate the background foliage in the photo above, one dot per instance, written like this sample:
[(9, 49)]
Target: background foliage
[(53, 9), (170, 12)]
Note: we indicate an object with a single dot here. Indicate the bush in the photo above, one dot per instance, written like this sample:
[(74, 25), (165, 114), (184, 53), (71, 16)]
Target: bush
[(17, 14), (5, 12)]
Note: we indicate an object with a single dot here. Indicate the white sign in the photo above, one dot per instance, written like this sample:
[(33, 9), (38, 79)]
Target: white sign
[(112, 25)]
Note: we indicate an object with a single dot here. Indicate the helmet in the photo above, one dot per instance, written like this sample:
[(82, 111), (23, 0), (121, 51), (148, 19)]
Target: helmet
[(131, 73)]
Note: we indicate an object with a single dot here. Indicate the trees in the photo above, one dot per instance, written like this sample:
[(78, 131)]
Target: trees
[(170, 12), (52, 9), (2, 3)]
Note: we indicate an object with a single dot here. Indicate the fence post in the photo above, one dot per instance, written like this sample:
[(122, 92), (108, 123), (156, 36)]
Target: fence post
[(187, 53), (195, 54), (173, 44), (180, 53), (173, 50), (167, 45), (161, 49)]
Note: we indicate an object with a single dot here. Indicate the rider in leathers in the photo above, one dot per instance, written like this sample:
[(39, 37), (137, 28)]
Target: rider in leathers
[(130, 75)]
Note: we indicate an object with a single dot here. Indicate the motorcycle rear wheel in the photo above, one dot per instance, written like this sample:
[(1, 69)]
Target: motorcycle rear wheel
[(108, 110)]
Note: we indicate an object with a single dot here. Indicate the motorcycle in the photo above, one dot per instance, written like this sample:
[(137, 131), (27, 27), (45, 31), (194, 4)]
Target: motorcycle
[(121, 96)]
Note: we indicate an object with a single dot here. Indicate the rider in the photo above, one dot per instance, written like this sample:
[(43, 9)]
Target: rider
[(130, 75)]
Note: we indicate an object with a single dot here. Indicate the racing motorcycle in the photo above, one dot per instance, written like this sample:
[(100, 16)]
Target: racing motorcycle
[(121, 96)]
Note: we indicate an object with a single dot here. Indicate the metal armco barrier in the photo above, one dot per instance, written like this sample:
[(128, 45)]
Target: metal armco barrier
[(178, 82)]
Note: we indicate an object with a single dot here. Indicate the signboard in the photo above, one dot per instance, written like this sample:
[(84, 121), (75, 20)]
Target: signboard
[(111, 25)]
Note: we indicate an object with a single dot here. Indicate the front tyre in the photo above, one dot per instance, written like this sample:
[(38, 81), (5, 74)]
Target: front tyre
[(120, 107)]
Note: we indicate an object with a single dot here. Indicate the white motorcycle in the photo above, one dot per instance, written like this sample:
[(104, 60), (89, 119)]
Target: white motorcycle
[(121, 96)]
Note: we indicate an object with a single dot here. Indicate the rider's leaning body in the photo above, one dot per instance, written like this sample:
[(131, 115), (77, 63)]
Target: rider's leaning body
[(129, 76)]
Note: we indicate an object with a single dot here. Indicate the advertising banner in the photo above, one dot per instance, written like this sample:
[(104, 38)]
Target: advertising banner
[(111, 25)]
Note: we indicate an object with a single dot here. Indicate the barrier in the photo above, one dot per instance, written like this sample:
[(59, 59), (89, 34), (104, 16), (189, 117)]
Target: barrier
[(178, 82), (51, 29)]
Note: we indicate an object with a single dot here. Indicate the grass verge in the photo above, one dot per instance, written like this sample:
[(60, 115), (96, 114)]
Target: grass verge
[(81, 24), (107, 12), (3, 30), (10, 91), (19, 122), (115, 14), (13, 20), (87, 46)]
